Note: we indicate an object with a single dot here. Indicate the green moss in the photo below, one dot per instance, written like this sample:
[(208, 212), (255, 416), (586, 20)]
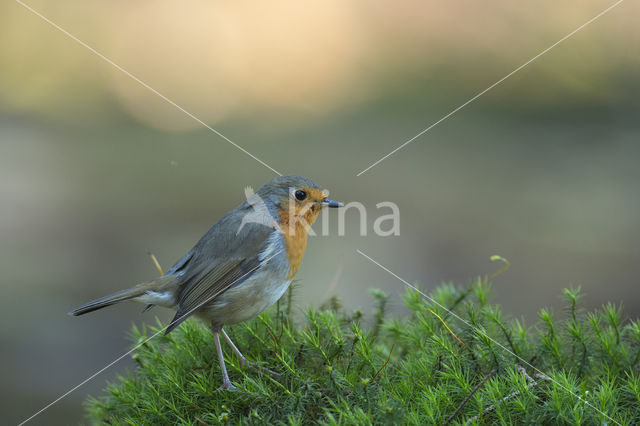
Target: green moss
[(336, 369)]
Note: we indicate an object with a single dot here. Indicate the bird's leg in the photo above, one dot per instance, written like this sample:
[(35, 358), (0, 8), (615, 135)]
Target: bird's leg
[(226, 383), (243, 359)]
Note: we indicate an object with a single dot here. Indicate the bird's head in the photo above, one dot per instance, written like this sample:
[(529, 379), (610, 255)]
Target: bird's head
[(295, 200)]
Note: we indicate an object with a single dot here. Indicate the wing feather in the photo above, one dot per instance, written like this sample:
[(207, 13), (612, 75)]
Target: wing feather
[(203, 288)]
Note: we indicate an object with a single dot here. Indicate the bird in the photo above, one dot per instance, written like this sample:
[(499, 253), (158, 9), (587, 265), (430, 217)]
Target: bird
[(240, 267)]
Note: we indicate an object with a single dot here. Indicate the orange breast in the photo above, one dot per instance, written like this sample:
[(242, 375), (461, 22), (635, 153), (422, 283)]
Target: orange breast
[(295, 243), (294, 233)]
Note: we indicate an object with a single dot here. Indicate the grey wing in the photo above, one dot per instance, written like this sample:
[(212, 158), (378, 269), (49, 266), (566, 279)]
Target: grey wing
[(203, 288), (177, 267), (181, 264), (203, 275)]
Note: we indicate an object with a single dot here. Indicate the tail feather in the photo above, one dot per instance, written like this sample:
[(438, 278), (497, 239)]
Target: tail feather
[(130, 293)]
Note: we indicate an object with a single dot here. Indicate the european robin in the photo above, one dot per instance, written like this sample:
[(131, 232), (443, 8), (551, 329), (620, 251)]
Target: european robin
[(240, 267)]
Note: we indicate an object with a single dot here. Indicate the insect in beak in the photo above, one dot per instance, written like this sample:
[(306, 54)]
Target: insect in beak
[(330, 203)]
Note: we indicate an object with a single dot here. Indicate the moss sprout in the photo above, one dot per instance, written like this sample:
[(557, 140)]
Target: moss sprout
[(339, 367)]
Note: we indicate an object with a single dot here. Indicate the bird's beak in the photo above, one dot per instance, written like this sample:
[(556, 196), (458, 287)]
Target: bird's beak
[(330, 203)]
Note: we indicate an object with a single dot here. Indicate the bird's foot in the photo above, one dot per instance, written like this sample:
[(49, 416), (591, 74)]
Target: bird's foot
[(227, 385), (258, 367)]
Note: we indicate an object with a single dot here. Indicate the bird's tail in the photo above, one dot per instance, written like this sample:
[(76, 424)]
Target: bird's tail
[(130, 293)]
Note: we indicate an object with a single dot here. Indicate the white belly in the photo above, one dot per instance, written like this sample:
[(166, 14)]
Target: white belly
[(246, 300)]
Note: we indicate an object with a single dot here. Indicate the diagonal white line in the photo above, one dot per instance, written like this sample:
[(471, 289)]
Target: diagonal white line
[(142, 83), (484, 333), (492, 86), (139, 344)]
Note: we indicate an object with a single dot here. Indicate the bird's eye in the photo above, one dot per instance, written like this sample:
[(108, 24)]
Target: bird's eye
[(300, 195)]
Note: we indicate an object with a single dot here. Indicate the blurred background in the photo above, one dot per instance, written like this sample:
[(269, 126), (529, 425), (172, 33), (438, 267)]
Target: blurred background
[(95, 169)]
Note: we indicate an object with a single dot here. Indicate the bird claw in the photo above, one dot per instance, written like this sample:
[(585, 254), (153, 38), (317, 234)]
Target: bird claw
[(227, 385), (258, 367)]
